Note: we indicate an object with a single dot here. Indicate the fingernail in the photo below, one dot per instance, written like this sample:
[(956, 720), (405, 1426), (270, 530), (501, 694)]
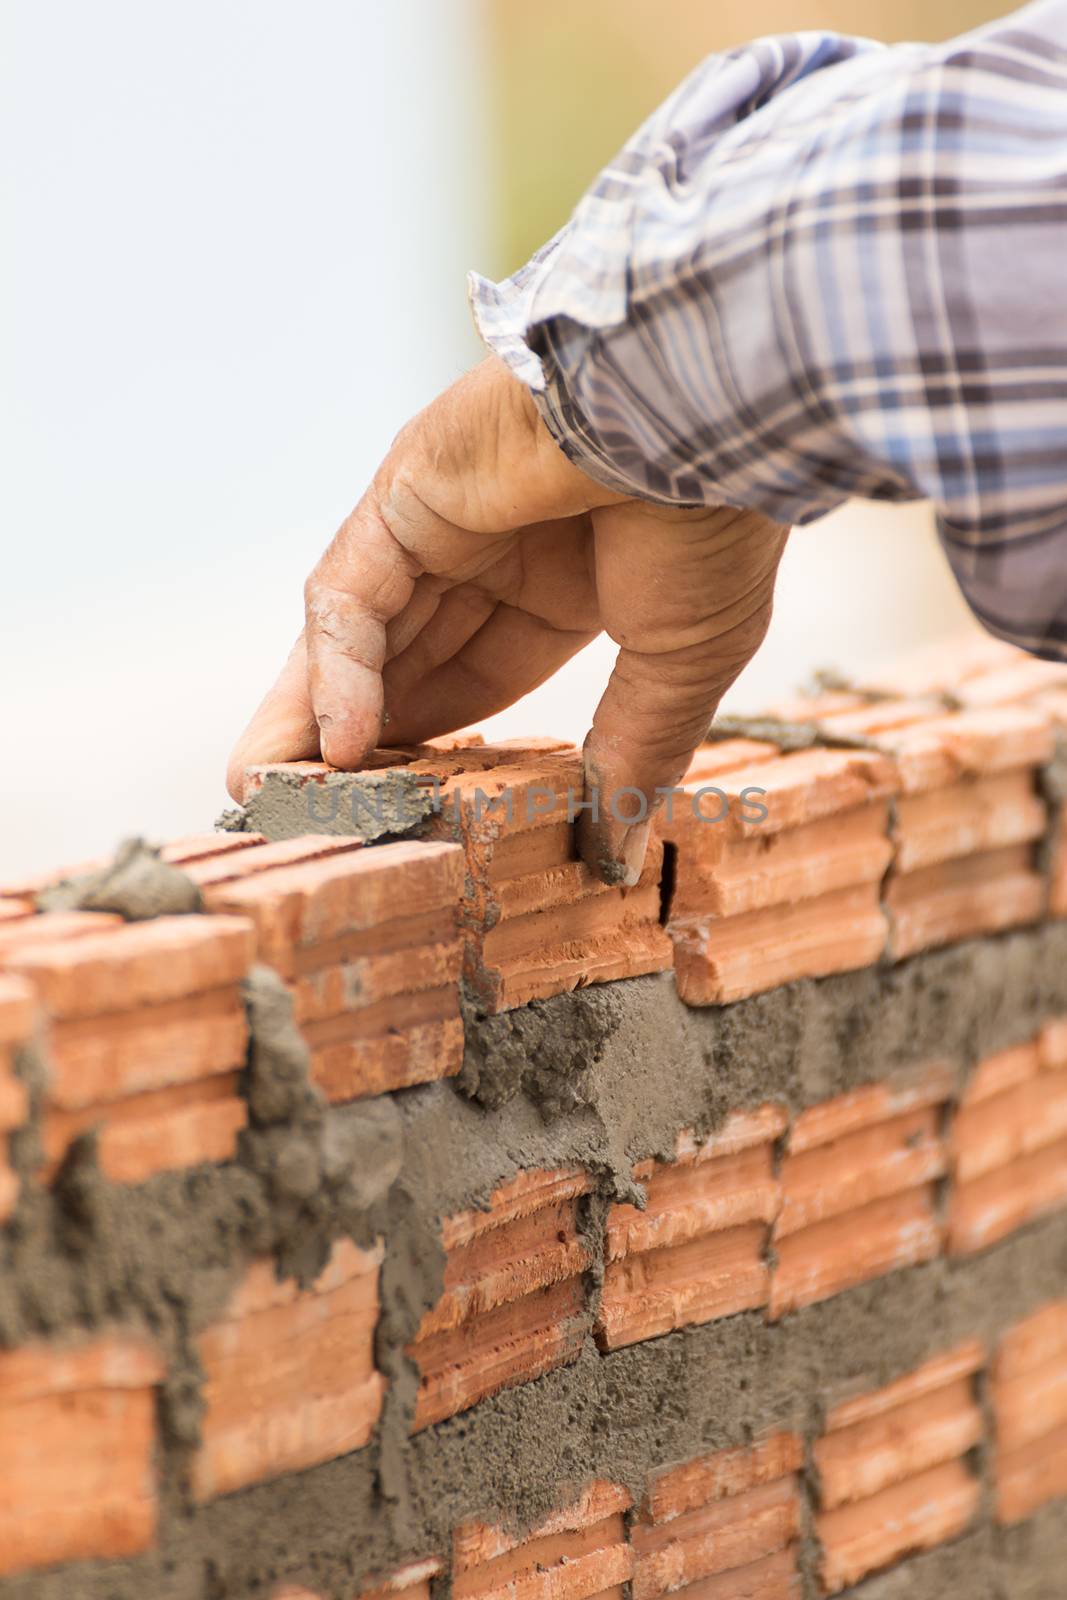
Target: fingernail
[(634, 848)]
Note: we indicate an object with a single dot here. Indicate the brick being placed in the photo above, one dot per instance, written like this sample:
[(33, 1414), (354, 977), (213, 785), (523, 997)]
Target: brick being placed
[(515, 1299), (892, 1470), (369, 944), (410, 1582), (579, 1552), (1029, 1399), (777, 865), (18, 1014), (698, 1249), (289, 1373), (536, 921), (724, 1526), (145, 1035), (859, 1178), (77, 1449), (1008, 1143)]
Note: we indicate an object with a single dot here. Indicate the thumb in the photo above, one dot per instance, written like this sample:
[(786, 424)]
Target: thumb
[(687, 595)]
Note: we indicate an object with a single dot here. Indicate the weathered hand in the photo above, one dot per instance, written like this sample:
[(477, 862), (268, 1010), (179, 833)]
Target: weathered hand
[(477, 563)]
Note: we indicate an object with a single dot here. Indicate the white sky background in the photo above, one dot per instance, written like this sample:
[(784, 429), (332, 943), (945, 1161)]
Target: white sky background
[(235, 245)]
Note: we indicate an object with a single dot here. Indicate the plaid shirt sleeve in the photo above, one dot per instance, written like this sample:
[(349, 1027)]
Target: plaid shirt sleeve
[(826, 268)]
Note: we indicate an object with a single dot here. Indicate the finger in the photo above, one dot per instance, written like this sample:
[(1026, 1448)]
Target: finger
[(510, 654), (459, 616), (477, 465), (283, 727), (688, 597)]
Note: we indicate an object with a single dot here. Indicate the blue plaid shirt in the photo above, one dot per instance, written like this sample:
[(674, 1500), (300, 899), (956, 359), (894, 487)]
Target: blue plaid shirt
[(827, 268)]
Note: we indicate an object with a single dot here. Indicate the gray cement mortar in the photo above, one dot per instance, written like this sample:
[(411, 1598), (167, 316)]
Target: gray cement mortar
[(627, 1067)]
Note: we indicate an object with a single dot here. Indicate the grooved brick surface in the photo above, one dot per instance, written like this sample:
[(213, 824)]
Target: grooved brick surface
[(891, 1470), (514, 1303), (733, 1517), (368, 941), (578, 1552), (77, 1436), (858, 1189), (1029, 1395), (698, 1249), (1009, 1144), (290, 1379)]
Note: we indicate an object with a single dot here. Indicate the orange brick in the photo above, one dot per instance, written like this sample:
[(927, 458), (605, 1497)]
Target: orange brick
[(14, 1097), (720, 960), (204, 846), (697, 1250), (366, 980), (940, 751), (964, 818), (1003, 1127), (1030, 1344), (941, 1372), (1001, 1072), (719, 1537), (1019, 680), (856, 1462), (845, 1251), (412, 1581), (395, 1058), (1028, 1478), (15, 910), (156, 1132), (290, 1378), (233, 866), (48, 926), (744, 875), (875, 1103), (514, 1301), (796, 789), (18, 1010), (988, 1209), (870, 1165), (925, 1511), (137, 964), (944, 665), (77, 1434), (721, 1474), (95, 1059), (984, 893), (1031, 1405), (1052, 1045), (578, 1552)]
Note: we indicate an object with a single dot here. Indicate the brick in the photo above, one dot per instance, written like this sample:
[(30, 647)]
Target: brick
[(234, 866), (1031, 1405), (204, 846), (984, 893), (289, 1374), (775, 1577), (1008, 684), (932, 754), (796, 789), (137, 964), (716, 1538), (943, 665), (718, 961), (1032, 1343), (578, 1552), (395, 1059), (990, 1208), (848, 1250), (14, 1098), (965, 818), (801, 863), (514, 1303), (1000, 1128), (96, 1059), (32, 883), (412, 1581), (15, 910), (870, 1105), (156, 1132), (77, 1435), (18, 1010), (366, 980), (943, 1371), (721, 1474), (305, 904), (49, 926), (1052, 1045), (697, 1251), (925, 1511), (998, 1073), (1030, 1477), (869, 1165), (856, 1462)]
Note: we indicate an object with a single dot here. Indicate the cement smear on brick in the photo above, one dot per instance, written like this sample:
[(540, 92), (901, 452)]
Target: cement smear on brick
[(366, 805), (136, 884), (168, 1253)]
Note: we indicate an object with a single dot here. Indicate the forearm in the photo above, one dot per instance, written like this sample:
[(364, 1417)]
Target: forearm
[(827, 269)]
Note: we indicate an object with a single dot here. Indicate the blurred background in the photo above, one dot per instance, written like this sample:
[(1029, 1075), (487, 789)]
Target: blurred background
[(237, 242)]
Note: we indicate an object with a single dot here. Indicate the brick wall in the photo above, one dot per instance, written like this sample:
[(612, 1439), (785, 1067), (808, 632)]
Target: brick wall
[(205, 1352)]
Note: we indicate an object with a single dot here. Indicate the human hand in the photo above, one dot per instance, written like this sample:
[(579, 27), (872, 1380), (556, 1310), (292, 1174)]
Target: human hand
[(479, 561)]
